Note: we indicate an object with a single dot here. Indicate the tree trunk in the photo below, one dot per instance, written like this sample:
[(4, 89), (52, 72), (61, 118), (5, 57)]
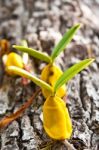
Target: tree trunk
[(42, 24)]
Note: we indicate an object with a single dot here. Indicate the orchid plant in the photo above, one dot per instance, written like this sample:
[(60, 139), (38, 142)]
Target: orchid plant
[(56, 119)]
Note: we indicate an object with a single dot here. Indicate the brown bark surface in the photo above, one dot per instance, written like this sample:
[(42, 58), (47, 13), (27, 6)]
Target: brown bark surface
[(42, 23)]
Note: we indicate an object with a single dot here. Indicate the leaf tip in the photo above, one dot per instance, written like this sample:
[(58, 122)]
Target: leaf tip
[(18, 46), (91, 60), (77, 26), (14, 46)]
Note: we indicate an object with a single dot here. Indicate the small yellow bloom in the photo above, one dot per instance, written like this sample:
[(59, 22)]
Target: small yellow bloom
[(14, 59), (50, 74), (56, 119)]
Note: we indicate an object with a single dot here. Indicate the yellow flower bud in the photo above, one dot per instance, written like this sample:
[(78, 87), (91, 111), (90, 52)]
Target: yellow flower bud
[(14, 59), (50, 74), (56, 119)]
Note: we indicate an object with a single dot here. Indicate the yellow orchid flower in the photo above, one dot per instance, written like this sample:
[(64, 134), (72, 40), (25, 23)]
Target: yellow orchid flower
[(56, 119), (14, 59), (50, 74)]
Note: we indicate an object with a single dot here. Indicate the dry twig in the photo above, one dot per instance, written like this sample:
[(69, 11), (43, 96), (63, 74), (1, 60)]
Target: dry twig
[(5, 121)]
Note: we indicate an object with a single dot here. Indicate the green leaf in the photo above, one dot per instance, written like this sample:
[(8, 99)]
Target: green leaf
[(34, 53), (71, 72), (64, 41), (24, 73)]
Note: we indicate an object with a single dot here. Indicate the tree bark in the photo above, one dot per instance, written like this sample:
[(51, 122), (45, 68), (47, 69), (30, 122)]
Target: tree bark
[(42, 25)]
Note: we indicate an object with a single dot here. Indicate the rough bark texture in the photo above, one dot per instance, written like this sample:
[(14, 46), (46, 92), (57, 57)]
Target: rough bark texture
[(42, 23)]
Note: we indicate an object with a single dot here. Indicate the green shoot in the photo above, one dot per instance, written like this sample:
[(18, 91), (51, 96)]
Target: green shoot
[(71, 72), (64, 41), (56, 51), (33, 52), (23, 73)]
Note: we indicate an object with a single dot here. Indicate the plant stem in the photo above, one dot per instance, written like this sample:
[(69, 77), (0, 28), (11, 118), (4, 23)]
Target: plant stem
[(68, 145), (24, 73)]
